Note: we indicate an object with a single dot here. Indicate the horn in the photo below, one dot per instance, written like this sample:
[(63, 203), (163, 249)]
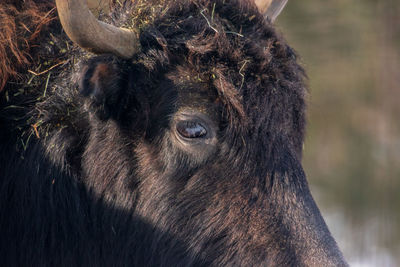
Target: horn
[(93, 35), (271, 8)]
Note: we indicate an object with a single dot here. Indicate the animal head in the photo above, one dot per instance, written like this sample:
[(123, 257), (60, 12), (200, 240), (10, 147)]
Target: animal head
[(195, 124)]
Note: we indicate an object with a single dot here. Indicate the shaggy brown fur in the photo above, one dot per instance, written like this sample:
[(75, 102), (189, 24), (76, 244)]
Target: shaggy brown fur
[(21, 24)]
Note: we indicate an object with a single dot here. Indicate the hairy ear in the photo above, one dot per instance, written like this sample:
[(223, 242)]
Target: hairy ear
[(101, 82), (271, 8)]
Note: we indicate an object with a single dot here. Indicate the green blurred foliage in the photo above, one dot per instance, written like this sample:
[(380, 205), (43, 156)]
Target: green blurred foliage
[(351, 51)]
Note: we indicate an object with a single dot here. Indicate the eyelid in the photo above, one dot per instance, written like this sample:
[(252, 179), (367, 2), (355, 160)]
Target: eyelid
[(199, 148)]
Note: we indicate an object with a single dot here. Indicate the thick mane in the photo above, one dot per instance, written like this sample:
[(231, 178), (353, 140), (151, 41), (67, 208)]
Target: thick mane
[(227, 45)]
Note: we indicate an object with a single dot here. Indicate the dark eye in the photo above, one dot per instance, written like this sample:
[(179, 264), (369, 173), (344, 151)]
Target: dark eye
[(191, 129)]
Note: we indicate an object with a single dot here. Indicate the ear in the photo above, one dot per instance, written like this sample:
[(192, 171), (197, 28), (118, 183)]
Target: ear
[(271, 8), (101, 83)]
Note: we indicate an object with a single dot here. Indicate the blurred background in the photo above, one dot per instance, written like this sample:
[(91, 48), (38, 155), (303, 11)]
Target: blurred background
[(351, 51)]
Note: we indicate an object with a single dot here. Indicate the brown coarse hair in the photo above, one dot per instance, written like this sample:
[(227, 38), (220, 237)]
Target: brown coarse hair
[(21, 25)]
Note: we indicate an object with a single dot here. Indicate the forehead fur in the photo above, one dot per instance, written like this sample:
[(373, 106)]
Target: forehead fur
[(237, 49)]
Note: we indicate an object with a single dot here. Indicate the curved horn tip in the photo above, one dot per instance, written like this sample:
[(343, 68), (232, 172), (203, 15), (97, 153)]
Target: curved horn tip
[(95, 36), (271, 8)]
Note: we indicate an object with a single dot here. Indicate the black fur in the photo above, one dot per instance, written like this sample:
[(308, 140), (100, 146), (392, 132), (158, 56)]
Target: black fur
[(109, 183)]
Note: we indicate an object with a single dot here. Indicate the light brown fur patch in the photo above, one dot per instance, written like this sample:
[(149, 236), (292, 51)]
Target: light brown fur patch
[(21, 23)]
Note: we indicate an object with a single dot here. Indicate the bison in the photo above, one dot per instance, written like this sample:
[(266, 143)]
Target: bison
[(178, 144)]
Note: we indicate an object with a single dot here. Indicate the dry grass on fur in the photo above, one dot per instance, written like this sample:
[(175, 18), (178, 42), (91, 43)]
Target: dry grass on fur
[(21, 23)]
